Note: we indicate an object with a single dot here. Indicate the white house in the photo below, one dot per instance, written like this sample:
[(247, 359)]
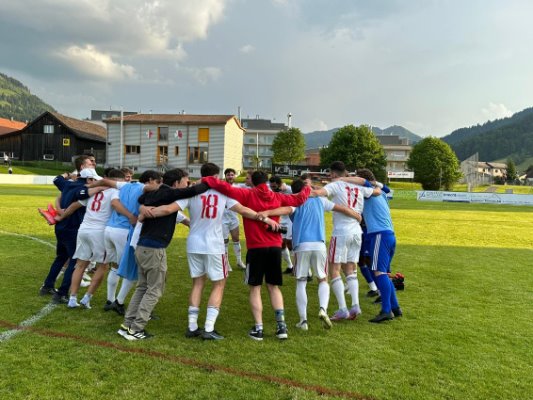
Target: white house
[(165, 141)]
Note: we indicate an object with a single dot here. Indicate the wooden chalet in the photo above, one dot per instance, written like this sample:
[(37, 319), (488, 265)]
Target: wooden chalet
[(53, 136)]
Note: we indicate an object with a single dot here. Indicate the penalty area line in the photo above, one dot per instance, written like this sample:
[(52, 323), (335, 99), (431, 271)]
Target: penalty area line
[(28, 237), (254, 376)]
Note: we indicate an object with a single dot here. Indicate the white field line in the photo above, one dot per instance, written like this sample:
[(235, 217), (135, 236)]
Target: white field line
[(5, 336)]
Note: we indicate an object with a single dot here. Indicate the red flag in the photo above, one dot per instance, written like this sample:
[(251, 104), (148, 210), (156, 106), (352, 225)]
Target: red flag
[(149, 134), (180, 134)]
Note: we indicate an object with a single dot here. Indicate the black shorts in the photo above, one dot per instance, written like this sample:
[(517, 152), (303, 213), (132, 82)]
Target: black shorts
[(264, 262)]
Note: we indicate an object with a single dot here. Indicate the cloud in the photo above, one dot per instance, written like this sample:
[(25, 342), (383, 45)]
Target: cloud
[(204, 75), (248, 48), (91, 62), (496, 111)]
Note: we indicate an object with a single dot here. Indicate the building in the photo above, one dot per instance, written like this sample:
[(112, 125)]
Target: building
[(10, 143), (397, 151), (53, 136), (258, 139), (483, 173), (165, 141)]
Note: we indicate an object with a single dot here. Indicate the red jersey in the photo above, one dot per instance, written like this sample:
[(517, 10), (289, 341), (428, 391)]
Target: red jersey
[(259, 198)]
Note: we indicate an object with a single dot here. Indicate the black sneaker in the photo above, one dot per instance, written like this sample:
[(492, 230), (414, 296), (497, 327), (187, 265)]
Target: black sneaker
[(378, 300), (281, 332), (58, 299), (256, 334), (382, 316), (137, 335), (372, 293), (108, 305), (45, 291), (213, 335), (192, 334), (118, 308), (288, 271), (397, 312)]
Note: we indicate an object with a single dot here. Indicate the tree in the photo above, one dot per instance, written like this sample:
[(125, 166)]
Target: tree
[(288, 146), (511, 171), (435, 164), (357, 147)]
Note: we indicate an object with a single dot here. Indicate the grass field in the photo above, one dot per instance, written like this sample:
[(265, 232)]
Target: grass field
[(467, 330)]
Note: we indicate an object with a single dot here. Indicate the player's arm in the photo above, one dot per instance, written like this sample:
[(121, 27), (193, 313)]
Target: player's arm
[(251, 214), (161, 211), (182, 219), (106, 182), (239, 194), (119, 207), (68, 211), (295, 200), (347, 211), (276, 212)]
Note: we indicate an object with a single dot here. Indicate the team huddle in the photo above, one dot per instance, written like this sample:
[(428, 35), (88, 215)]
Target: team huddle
[(127, 226)]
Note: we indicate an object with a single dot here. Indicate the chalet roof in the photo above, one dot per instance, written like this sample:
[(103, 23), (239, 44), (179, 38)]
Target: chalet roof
[(8, 126), (83, 129), (184, 119), (497, 165)]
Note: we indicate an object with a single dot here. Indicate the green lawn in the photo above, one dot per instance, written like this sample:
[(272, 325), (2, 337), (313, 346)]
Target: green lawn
[(466, 331)]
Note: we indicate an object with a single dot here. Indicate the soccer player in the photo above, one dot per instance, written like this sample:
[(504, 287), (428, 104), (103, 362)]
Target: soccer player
[(120, 225), (345, 243), (263, 260), (90, 245), (205, 250), (150, 254), (309, 241), (230, 224), (380, 233), (67, 230), (277, 185)]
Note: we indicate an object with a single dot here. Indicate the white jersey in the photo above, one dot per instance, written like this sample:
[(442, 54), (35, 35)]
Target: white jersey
[(206, 212), (98, 209), (349, 195)]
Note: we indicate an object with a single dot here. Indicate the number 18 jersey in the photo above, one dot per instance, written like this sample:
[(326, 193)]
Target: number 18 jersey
[(206, 212), (349, 195)]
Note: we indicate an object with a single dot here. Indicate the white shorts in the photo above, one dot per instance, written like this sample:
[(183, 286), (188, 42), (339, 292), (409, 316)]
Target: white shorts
[(228, 226), (215, 266), (115, 240), (314, 260), (344, 249), (288, 235), (90, 246)]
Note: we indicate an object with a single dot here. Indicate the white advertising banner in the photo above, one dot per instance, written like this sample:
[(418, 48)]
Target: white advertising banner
[(466, 197), (401, 174)]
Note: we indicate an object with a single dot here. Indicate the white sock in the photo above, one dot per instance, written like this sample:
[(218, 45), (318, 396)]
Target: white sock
[(211, 318), (286, 255), (337, 285), (86, 299), (112, 283), (323, 295), (237, 251), (124, 290), (372, 286), (353, 288), (301, 299), (193, 318)]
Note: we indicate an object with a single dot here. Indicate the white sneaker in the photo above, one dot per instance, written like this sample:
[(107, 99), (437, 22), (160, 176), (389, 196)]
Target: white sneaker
[(86, 277), (84, 283), (302, 325), (241, 265), (85, 303), (326, 322), (72, 303)]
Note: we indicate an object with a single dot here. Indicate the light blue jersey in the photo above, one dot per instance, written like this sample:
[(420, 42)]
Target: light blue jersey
[(129, 197), (308, 221), (377, 214)]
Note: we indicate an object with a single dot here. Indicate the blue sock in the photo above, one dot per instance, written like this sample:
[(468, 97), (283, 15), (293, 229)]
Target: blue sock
[(393, 299), (383, 284), (366, 273)]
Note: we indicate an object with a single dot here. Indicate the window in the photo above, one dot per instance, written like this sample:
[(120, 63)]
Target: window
[(162, 133), (198, 155), (177, 151), (48, 128), (133, 149), (203, 134), (162, 155)]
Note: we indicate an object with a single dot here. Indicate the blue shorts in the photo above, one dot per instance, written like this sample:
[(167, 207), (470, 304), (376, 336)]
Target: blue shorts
[(382, 247)]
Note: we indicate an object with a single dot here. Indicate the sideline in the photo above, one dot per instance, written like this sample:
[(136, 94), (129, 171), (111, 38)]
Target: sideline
[(254, 376), (5, 336)]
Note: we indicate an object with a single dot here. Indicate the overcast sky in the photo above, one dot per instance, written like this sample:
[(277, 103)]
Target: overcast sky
[(431, 66)]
